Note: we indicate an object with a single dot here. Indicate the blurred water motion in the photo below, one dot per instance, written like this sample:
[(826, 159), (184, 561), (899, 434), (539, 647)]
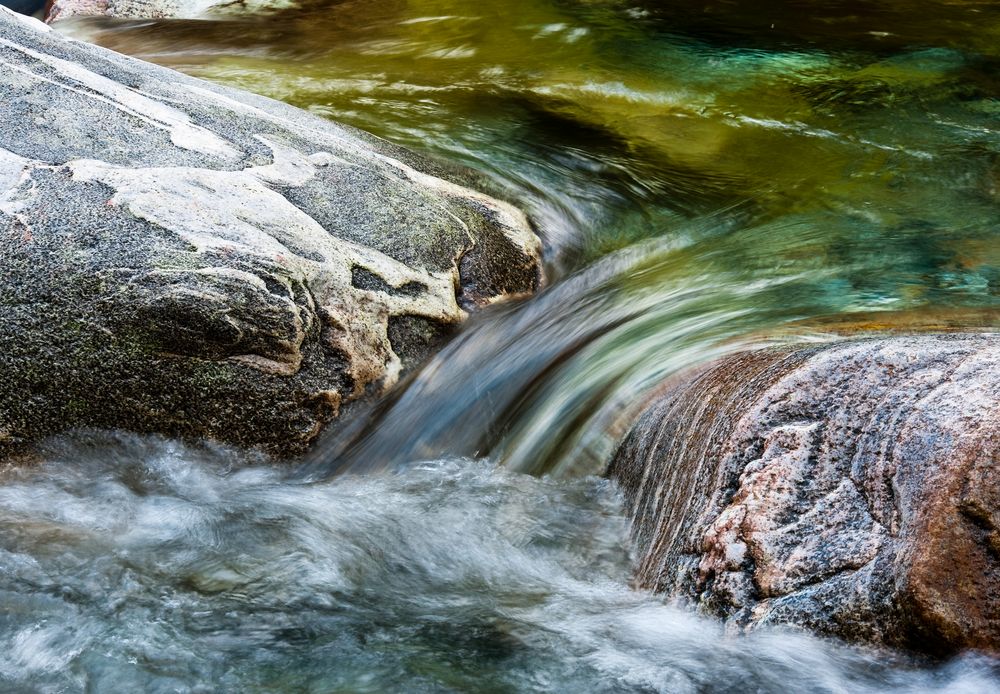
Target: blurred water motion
[(140, 565), (706, 176), (614, 121)]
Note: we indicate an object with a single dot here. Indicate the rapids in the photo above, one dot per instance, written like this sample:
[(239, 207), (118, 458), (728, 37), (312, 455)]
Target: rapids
[(142, 565), (705, 176)]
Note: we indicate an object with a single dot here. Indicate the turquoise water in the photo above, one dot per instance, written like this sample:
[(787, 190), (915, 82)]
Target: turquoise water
[(701, 180), (705, 177)]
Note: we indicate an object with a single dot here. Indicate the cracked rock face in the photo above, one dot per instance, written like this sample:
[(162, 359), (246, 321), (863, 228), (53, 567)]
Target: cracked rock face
[(187, 259), (852, 489)]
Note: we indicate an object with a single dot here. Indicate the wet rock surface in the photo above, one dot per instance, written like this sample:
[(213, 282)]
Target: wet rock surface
[(849, 488), (192, 260)]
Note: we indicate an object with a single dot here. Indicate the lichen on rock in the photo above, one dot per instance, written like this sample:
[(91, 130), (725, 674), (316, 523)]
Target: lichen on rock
[(188, 259)]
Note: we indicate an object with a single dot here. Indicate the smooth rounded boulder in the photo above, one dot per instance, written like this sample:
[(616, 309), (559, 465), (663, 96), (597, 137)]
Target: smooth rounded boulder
[(198, 261), (849, 488)]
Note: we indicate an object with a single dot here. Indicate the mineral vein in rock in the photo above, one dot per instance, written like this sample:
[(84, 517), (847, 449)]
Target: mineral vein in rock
[(237, 211), (184, 258), (183, 132)]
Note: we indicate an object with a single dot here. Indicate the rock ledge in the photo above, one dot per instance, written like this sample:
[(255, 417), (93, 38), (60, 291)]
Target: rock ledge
[(850, 488)]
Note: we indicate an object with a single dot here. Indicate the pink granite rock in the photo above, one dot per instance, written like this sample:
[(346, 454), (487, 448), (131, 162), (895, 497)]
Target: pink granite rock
[(850, 488)]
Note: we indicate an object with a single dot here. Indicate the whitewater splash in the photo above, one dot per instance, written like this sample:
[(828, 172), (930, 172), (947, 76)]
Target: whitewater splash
[(140, 564)]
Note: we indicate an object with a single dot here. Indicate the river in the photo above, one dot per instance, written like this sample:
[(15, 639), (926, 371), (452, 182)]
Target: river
[(705, 176)]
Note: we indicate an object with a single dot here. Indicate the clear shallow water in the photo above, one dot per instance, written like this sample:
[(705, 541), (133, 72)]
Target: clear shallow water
[(135, 564), (703, 181)]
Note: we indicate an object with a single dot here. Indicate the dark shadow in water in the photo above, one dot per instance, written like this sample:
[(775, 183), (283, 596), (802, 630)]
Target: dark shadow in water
[(875, 26)]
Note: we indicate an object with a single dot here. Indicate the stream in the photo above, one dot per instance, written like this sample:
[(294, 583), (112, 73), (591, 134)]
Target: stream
[(705, 176)]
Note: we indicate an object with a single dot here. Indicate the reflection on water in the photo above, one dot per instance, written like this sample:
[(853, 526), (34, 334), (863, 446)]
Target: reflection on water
[(616, 120), (133, 565)]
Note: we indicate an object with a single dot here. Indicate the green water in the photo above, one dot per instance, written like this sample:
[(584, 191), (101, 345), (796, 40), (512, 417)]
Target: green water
[(865, 134), (702, 177), (705, 176)]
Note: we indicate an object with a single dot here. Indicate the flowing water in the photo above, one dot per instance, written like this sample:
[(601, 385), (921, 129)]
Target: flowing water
[(705, 176), (134, 565)]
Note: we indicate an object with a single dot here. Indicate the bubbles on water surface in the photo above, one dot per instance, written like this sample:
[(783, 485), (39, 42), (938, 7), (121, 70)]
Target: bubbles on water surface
[(141, 564)]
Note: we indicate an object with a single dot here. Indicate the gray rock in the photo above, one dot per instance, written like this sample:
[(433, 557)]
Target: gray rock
[(183, 258), (850, 488), (157, 9)]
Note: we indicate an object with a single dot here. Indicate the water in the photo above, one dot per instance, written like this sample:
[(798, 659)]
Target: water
[(613, 120), (700, 178), (706, 176), (142, 565)]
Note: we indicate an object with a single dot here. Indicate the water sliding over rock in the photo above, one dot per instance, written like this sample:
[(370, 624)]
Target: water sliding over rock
[(850, 488), (708, 178), (192, 260)]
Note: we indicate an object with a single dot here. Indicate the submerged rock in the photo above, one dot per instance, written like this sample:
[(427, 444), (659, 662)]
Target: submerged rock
[(183, 258), (850, 488)]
